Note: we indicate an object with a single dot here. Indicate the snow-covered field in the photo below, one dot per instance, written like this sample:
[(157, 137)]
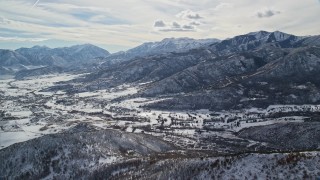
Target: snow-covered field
[(18, 98), (27, 112)]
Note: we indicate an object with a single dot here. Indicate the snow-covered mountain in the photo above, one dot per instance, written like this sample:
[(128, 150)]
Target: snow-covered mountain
[(170, 45), (62, 56), (79, 55), (167, 45), (244, 108), (83, 153), (12, 58), (76, 151), (214, 75), (256, 39), (41, 56)]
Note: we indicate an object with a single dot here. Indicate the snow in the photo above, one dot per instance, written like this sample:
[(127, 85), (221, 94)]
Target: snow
[(184, 131), (116, 107), (9, 138), (88, 94), (108, 159), (5, 77), (264, 123), (21, 114), (26, 131)]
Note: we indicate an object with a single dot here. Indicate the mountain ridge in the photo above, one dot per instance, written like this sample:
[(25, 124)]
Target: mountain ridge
[(41, 56), (221, 70), (167, 45)]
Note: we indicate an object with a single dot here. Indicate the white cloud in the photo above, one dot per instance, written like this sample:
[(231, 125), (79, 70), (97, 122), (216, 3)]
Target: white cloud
[(177, 30), (19, 39), (97, 18), (129, 23), (188, 14), (4, 20), (222, 6), (185, 21), (35, 3)]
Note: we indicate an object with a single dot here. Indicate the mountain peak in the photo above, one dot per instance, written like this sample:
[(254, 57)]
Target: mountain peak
[(40, 47), (276, 35), (259, 34), (85, 45), (80, 46), (176, 39), (89, 48)]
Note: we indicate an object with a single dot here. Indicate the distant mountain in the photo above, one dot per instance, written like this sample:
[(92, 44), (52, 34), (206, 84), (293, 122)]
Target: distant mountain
[(10, 58), (5, 71), (36, 57), (88, 57), (227, 74), (167, 45), (62, 56)]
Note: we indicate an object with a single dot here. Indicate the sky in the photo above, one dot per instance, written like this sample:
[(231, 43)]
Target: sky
[(123, 24)]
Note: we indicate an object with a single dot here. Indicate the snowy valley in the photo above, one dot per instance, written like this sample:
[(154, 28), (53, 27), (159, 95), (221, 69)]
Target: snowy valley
[(233, 109)]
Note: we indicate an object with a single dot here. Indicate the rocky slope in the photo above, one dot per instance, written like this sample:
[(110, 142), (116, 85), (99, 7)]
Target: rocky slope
[(290, 79), (294, 136), (145, 69), (87, 153), (245, 166), (75, 153)]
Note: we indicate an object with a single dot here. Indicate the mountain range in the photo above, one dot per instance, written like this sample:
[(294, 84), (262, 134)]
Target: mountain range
[(255, 69), (154, 48), (246, 107), (39, 60), (41, 56)]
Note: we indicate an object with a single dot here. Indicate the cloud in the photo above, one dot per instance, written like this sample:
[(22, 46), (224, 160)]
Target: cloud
[(176, 25), (130, 23), (98, 18), (222, 6), (187, 22), (177, 30), (195, 23), (188, 14), (35, 3), (188, 27), (4, 21), (266, 13), (159, 23), (19, 39)]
